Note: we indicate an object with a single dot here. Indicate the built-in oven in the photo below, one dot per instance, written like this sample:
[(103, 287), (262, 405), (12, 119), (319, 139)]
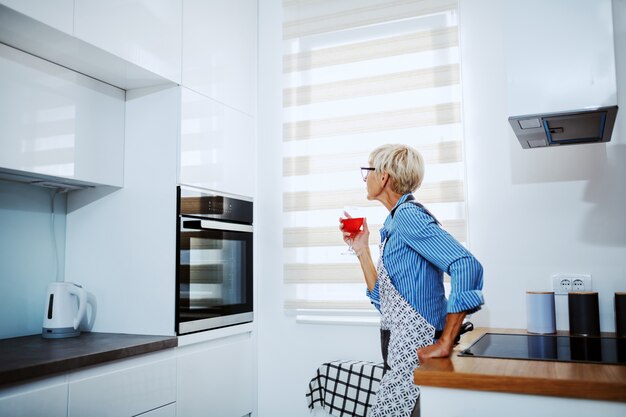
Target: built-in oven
[(214, 260)]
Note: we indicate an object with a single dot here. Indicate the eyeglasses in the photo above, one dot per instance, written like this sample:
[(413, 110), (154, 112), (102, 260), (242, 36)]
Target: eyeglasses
[(365, 171)]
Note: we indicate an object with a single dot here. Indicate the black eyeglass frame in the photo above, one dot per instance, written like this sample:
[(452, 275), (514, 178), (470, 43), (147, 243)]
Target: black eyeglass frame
[(365, 171)]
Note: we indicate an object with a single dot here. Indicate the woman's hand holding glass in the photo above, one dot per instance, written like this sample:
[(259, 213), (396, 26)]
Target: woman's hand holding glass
[(355, 231)]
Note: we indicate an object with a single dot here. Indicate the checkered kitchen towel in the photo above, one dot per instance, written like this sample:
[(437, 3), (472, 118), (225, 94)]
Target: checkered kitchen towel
[(345, 388)]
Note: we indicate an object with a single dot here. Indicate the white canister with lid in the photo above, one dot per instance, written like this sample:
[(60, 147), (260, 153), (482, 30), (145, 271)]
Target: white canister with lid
[(540, 312)]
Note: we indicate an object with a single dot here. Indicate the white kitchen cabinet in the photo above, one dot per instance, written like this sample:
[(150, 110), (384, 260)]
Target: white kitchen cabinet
[(216, 378), (143, 385), (220, 51), (165, 411), (58, 122), (42, 398), (128, 388), (467, 403), (56, 13), (217, 146), (144, 32)]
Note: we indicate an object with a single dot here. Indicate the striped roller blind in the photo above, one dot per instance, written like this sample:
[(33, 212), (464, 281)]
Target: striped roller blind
[(359, 74)]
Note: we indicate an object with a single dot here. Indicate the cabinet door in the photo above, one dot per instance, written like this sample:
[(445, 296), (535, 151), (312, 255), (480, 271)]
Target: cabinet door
[(144, 32), (128, 391), (58, 122), (217, 146), (56, 13), (217, 380), (35, 399), (220, 51)]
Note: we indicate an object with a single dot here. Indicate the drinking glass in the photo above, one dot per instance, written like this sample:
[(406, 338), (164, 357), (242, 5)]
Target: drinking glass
[(352, 220)]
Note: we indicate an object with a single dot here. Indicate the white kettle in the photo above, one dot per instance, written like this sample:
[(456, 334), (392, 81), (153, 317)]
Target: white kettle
[(66, 305)]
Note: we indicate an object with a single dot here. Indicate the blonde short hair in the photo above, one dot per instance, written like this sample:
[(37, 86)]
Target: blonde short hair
[(403, 163)]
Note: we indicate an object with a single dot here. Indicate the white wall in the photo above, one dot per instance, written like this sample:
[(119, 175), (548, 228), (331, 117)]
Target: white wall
[(289, 353), (121, 243), (29, 261), (531, 214)]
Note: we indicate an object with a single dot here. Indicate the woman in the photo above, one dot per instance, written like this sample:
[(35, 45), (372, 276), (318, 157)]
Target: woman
[(407, 285)]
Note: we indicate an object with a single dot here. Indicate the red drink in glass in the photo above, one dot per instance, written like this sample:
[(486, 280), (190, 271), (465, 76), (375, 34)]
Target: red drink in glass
[(352, 224)]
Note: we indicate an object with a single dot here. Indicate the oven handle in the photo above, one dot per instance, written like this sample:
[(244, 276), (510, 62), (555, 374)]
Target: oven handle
[(213, 225)]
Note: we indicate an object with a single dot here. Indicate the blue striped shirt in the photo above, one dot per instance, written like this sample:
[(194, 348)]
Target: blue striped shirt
[(416, 255)]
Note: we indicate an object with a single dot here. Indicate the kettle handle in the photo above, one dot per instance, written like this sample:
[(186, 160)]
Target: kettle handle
[(82, 303)]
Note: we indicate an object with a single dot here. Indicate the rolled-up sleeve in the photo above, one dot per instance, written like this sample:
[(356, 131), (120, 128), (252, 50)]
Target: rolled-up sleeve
[(466, 284), (374, 296)]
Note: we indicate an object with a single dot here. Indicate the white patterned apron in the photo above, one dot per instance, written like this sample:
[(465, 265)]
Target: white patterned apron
[(398, 394)]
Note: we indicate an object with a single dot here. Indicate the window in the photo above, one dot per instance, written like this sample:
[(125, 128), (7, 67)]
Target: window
[(359, 74)]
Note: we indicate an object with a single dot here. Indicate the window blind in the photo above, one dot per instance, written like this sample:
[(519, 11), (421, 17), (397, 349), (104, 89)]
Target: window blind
[(358, 74)]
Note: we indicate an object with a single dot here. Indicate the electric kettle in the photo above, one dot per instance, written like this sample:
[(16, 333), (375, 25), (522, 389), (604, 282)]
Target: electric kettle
[(66, 305)]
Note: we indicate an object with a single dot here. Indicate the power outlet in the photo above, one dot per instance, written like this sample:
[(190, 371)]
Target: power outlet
[(562, 285), (566, 283), (578, 285)]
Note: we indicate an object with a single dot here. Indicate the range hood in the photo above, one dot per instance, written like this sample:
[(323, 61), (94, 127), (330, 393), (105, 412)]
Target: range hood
[(590, 125), (561, 75)]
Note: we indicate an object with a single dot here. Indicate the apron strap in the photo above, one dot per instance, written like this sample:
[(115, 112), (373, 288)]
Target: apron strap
[(411, 199)]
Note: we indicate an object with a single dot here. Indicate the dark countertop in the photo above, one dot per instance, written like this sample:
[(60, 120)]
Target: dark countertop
[(26, 357)]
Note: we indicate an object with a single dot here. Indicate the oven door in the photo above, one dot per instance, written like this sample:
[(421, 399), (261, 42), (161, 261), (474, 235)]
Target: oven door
[(214, 276)]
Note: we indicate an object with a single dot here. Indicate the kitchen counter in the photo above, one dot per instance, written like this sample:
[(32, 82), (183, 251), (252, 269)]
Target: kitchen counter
[(27, 357), (556, 379)]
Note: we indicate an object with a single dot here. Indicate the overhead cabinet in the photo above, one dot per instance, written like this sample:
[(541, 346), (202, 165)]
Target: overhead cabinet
[(217, 146), (56, 13), (59, 123), (128, 44), (146, 33), (220, 51)]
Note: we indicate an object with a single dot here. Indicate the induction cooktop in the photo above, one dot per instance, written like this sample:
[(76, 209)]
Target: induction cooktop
[(604, 350)]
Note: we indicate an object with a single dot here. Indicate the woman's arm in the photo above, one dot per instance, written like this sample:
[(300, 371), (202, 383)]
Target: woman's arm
[(367, 265), (444, 345), (360, 245)]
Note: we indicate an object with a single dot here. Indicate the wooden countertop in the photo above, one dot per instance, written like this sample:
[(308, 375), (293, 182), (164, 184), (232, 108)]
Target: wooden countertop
[(26, 357), (558, 379)]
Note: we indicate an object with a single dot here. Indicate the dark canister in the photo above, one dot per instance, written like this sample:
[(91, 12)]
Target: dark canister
[(584, 313), (620, 314)]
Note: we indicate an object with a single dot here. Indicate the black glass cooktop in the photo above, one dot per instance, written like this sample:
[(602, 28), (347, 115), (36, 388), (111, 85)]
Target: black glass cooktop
[(549, 348)]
